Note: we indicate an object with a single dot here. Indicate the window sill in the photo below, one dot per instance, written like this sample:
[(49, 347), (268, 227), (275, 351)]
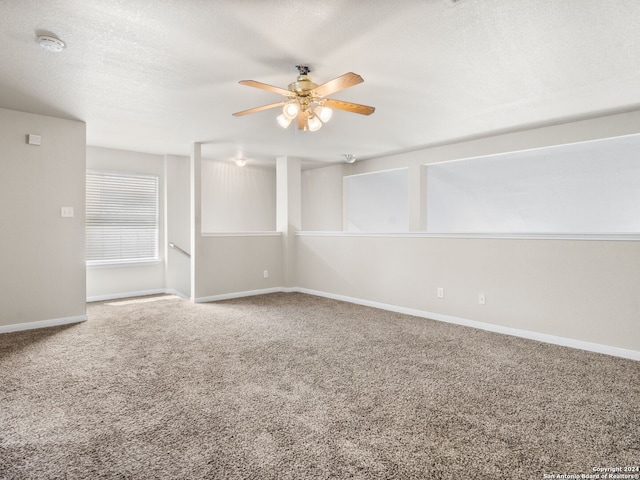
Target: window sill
[(617, 237), (242, 234), (125, 264)]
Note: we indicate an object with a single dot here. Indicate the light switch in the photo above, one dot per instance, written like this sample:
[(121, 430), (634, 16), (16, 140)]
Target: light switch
[(34, 139), (66, 211)]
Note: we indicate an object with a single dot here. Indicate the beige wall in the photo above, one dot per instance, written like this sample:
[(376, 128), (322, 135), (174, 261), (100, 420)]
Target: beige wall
[(584, 290), (238, 199), (593, 129), (322, 198), (116, 281), (229, 263), (42, 267), (236, 263), (178, 265)]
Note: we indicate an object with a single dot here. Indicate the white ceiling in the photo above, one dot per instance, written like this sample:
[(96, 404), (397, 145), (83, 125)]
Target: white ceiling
[(157, 75)]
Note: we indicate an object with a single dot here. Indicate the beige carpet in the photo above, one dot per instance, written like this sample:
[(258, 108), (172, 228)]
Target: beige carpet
[(292, 386)]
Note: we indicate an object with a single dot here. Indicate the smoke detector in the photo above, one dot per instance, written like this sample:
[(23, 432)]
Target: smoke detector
[(51, 44)]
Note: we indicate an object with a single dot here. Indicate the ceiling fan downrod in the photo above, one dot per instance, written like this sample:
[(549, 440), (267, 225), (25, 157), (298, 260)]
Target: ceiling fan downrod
[(303, 69)]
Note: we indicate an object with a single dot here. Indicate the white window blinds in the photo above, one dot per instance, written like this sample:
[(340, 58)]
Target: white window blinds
[(122, 217)]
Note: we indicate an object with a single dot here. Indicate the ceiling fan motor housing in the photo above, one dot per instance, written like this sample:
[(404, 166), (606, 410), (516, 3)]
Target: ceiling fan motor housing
[(303, 86)]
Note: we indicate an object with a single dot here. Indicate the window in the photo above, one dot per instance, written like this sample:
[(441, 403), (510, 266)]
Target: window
[(122, 218), (581, 188), (377, 202)]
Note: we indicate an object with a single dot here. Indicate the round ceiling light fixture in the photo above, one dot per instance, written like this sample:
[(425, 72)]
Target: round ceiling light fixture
[(349, 157), (51, 44), (241, 161)]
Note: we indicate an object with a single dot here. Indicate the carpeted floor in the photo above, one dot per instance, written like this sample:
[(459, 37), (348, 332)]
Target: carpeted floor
[(292, 386)]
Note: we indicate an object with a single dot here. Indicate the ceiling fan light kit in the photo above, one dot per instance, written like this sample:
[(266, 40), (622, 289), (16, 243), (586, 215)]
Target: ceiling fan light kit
[(307, 102)]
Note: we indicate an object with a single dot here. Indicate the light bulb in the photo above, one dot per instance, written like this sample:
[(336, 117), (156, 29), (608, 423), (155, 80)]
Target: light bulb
[(291, 109), (314, 123), (283, 121), (324, 113)]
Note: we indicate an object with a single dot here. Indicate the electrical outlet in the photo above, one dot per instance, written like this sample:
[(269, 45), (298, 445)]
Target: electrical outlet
[(266, 274), (481, 299), (440, 292)]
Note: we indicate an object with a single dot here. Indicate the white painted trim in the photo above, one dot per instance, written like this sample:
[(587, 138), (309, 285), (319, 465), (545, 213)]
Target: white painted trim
[(142, 293), (171, 291), (124, 264), (534, 149), (18, 327), (516, 332), (541, 337), (228, 296), (377, 171), (241, 234), (618, 237)]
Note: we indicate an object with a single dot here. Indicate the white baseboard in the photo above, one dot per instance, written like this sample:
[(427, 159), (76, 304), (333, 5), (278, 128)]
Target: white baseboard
[(117, 296), (229, 296), (53, 322), (516, 332), (541, 337), (171, 291)]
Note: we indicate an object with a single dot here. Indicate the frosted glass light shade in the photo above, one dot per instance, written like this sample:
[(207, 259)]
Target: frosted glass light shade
[(283, 121), (314, 123), (290, 110), (324, 113)]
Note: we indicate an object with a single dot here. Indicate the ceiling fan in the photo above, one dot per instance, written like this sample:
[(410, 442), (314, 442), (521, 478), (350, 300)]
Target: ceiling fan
[(306, 101)]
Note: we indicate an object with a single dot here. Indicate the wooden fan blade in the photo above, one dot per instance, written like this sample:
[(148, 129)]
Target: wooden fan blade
[(302, 120), (264, 86), (349, 107), (258, 109), (340, 83)]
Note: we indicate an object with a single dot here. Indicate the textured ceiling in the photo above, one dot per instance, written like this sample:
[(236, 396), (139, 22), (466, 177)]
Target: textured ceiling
[(157, 75)]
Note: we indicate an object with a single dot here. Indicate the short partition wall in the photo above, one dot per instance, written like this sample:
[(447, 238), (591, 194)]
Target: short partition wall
[(573, 292), (238, 264), (544, 241)]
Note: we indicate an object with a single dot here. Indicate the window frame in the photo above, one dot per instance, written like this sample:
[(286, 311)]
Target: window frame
[(123, 261)]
